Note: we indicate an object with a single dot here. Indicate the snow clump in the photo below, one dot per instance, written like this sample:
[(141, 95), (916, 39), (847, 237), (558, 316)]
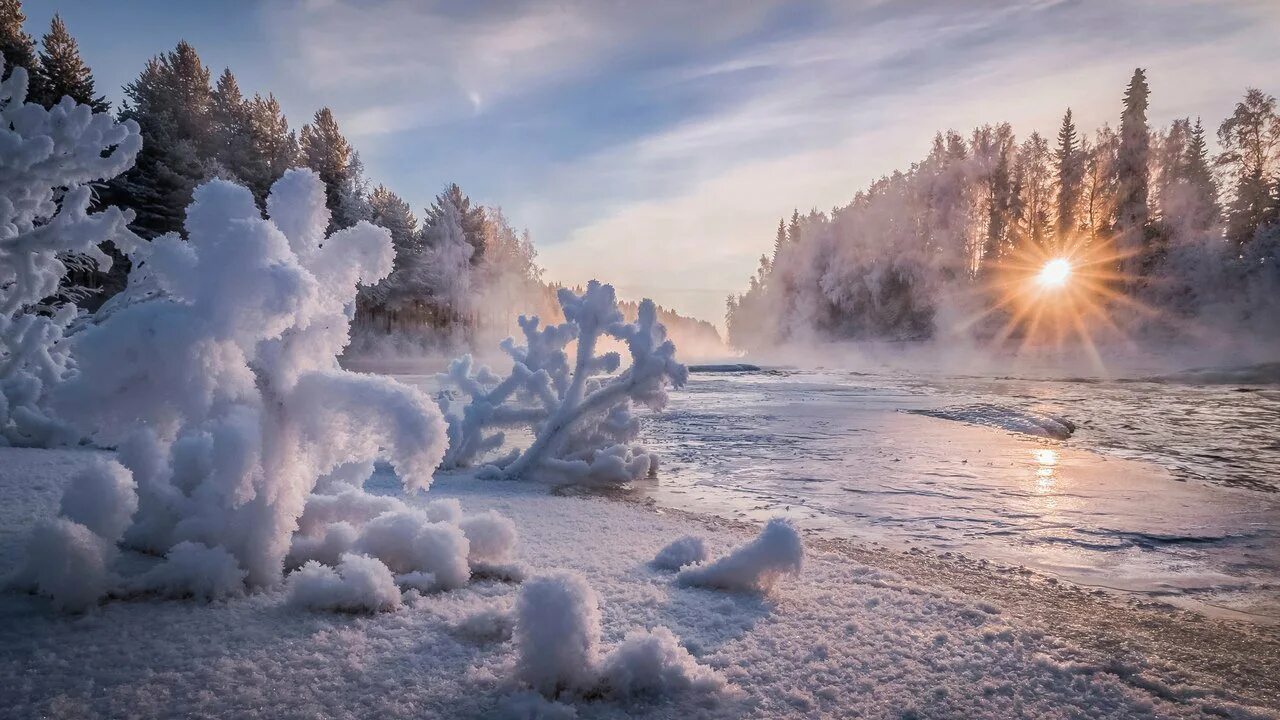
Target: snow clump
[(359, 584), (754, 567), (685, 551)]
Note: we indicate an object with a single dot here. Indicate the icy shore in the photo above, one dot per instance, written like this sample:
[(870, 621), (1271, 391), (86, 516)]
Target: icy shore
[(863, 632)]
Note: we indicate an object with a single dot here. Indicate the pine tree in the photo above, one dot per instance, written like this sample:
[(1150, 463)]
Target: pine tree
[(229, 126), (325, 150), (171, 101), (65, 73), (780, 240), (275, 146), (1132, 168), (18, 48), (1070, 166), (1199, 176), (1250, 141), (793, 230), (470, 218)]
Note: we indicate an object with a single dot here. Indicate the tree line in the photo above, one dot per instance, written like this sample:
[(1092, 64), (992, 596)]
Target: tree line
[(460, 267), (1185, 235)]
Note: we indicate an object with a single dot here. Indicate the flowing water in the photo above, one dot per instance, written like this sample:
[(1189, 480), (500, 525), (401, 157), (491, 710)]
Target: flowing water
[(1163, 487)]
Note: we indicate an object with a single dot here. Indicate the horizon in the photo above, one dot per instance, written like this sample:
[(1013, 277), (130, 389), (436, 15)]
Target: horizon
[(723, 121)]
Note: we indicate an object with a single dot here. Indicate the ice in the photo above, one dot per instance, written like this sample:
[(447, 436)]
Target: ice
[(1006, 418)]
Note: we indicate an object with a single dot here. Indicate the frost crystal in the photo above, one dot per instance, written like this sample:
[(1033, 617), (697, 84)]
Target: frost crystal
[(582, 415)]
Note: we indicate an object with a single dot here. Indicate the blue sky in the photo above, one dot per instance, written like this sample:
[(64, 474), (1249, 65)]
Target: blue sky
[(655, 144)]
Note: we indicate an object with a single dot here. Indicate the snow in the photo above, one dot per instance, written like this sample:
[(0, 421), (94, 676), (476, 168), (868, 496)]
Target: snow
[(408, 541), (581, 415), (67, 562), (1007, 418), (557, 632), (685, 551), (192, 569), (754, 567), (846, 639), (103, 497), (48, 158), (359, 584), (215, 374), (654, 663)]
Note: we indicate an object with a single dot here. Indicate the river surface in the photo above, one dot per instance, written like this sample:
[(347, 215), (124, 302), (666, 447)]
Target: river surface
[(1160, 487)]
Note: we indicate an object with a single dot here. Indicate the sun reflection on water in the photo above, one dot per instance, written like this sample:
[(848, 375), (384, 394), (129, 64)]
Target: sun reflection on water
[(1046, 468)]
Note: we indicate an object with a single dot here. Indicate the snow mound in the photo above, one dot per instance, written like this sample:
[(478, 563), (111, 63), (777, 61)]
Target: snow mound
[(491, 537), (68, 563), (754, 567), (557, 632), (359, 584), (653, 662), (489, 623), (327, 547), (685, 551), (192, 569), (527, 705), (1006, 418)]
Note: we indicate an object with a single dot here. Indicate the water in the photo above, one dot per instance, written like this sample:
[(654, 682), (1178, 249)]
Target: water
[(1164, 487)]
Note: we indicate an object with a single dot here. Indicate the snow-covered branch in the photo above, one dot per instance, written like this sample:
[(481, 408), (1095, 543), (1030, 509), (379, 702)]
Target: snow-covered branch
[(47, 159), (582, 415)]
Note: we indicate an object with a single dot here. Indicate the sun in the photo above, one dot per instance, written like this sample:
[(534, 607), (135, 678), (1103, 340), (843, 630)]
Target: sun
[(1055, 273)]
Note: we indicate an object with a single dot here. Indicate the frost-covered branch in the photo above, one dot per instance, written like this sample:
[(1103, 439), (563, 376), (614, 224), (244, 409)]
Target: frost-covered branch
[(582, 415), (47, 159)]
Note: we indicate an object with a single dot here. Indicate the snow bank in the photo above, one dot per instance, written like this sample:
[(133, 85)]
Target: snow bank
[(360, 584), (685, 551), (754, 567), (215, 374), (653, 662), (581, 414), (557, 633)]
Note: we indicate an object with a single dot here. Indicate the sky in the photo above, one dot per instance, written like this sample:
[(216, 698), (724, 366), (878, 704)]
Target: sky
[(655, 145)]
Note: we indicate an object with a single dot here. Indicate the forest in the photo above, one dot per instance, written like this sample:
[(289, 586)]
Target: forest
[(1169, 240)]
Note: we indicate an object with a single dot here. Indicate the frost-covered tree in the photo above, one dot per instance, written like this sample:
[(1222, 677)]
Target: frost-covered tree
[(581, 412), (65, 72), (1250, 141), (48, 158), (1070, 165), (215, 375), (1034, 179), (1202, 186), (470, 217), (1133, 160)]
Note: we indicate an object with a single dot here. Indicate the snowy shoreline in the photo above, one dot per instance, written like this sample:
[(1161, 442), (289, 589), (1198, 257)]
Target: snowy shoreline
[(863, 631)]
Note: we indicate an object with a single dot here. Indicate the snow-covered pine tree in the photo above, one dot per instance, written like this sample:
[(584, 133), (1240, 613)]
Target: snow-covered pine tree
[(275, 146), (1133, 172), (471, 218), (1250, 141), (18, 49), (1199, 176), (48, 157), (65, 72)]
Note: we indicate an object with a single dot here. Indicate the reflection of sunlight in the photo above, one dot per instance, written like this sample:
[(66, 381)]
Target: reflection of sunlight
[(1047, 468)]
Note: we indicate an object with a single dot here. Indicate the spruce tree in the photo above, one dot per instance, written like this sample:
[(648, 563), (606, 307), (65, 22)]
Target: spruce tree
[(325, 150), (229, 126), (471, 218), (1198, 173), (780, 240), (18, 48), (1070, 166), (274, 146), (1132, 173), (65, 73), (1250, 141), (793, 230)]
